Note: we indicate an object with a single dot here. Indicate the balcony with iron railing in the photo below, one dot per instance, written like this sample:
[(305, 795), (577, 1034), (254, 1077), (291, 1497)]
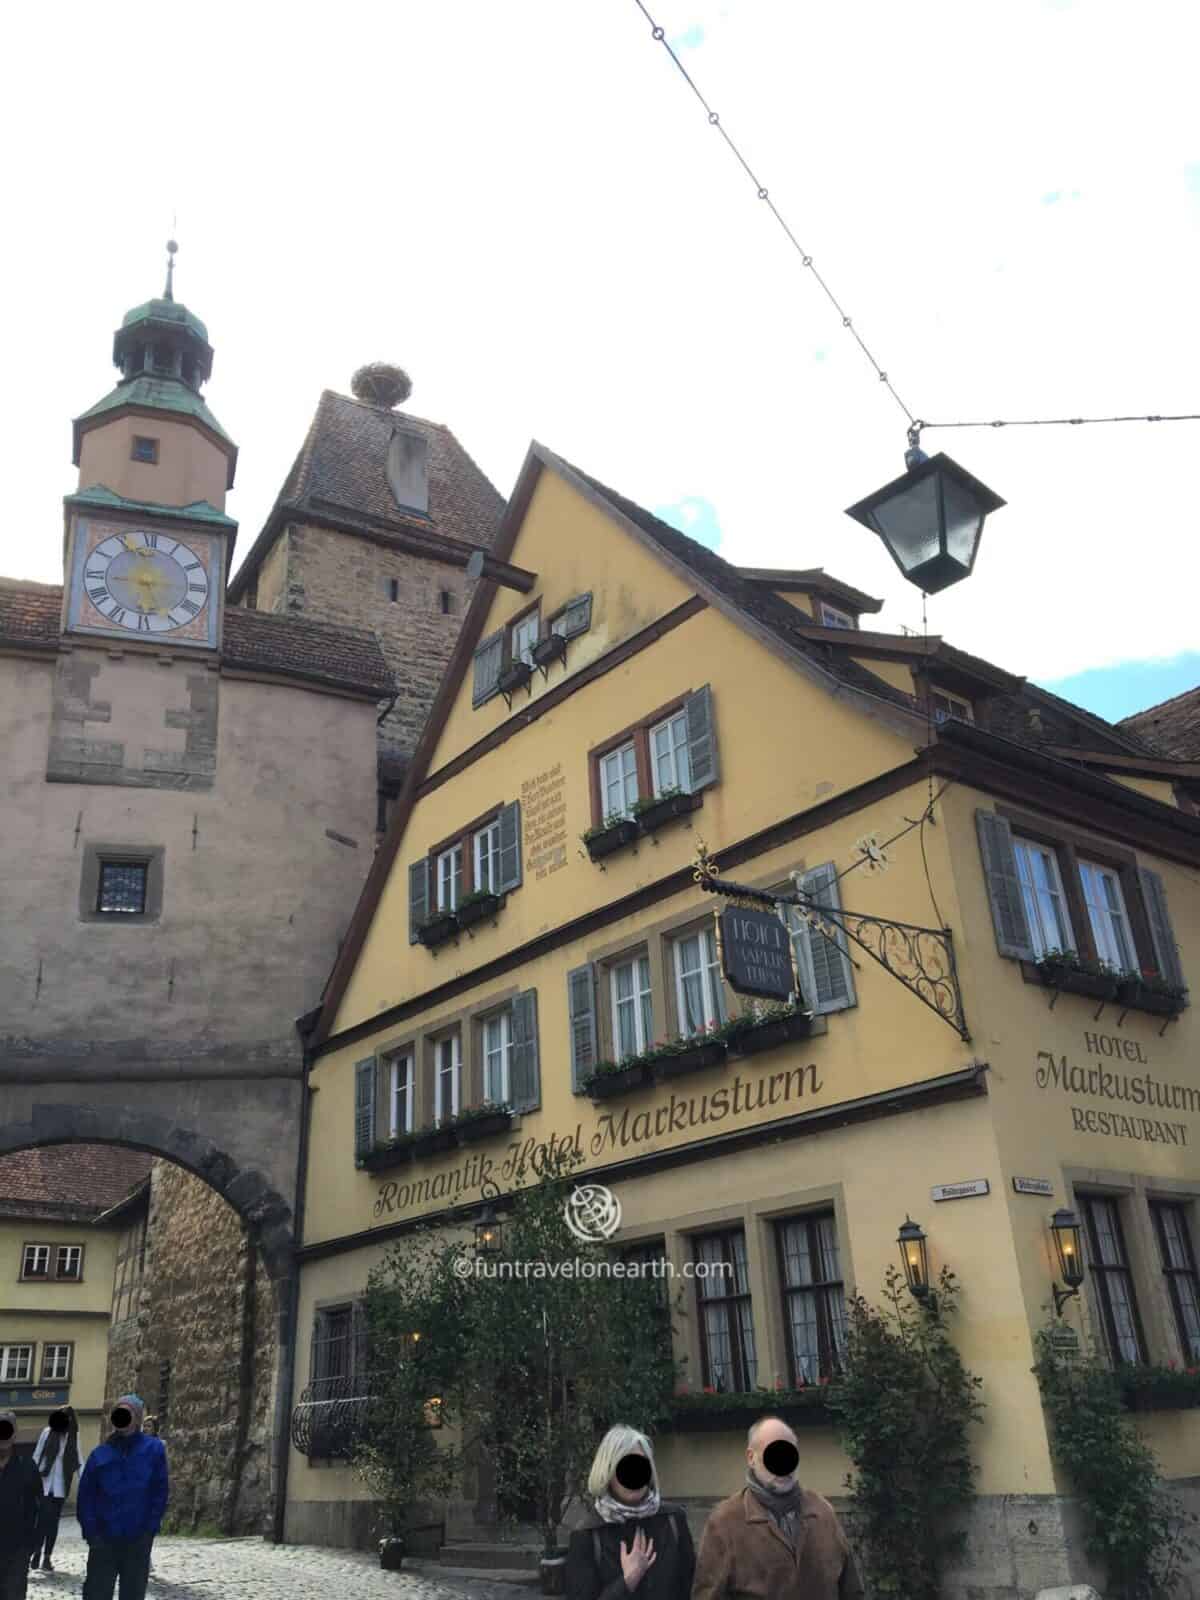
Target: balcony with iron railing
[(330, 1420)]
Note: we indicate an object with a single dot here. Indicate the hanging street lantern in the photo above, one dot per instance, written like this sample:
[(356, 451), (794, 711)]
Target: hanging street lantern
[(915, 1258), (489, 1230), (931, 519), (1065, 1231)]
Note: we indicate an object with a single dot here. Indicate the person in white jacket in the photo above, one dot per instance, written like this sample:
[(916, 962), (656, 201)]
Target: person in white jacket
[(56, 1456)]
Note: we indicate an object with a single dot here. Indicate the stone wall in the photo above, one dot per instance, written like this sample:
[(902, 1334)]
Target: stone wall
[(336, 577), (201, 1353)]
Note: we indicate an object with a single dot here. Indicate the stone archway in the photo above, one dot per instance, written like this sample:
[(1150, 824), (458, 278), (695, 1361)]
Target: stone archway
[(261, 1118)]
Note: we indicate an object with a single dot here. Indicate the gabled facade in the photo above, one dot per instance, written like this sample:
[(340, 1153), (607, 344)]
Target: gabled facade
[(532, 920)]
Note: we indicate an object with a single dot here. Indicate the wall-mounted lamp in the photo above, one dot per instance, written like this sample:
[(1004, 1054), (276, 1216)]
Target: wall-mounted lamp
[(914, 1256), (489, 1230), (1065, 1231)]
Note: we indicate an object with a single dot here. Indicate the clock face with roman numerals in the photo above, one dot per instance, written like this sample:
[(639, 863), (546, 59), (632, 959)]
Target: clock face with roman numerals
[(147, 583)]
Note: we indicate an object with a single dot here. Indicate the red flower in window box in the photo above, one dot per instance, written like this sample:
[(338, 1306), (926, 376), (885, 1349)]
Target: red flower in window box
[(681, 1388), (709, 1390), (824, 1380)]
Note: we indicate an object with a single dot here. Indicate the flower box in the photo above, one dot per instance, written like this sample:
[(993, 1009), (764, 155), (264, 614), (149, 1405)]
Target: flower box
[(609, 1085), (478, 909), (514, 677), (1176, 1391), (385, 1156), (1139, 996), (653, 816), (550, 649), (469, 1129), (771, 1034), (433, 1141), (440, 928), (1072, 980), (704, 1053), (609, 840)]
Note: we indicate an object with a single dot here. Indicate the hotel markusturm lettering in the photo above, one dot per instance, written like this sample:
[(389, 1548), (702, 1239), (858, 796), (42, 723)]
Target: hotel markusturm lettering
[(1127, 1099), (756, 954), (614, 1131)]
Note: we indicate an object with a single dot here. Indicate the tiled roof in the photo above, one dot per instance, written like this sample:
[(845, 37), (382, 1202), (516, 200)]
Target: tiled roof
[(349, 657), (1172, 728), (345, 658), (75, 1179), (1021, 712), (342, 470)]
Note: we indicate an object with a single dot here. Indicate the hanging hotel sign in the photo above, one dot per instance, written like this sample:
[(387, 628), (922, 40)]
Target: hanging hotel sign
[(756, 953), (959, 1191)]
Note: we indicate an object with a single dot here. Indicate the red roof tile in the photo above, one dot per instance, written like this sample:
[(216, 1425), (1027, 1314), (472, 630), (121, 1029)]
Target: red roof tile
[(79, 1178), (1172, 727)]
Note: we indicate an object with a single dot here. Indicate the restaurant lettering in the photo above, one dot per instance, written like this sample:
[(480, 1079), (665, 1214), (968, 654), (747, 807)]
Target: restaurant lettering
[(622, 1130), (1142, 1090)]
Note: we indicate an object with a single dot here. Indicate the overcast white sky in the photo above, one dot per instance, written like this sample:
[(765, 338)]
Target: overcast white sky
[(520, 201)]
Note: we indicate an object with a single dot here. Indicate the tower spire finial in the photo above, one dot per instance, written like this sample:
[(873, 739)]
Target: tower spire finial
[(168, 292)]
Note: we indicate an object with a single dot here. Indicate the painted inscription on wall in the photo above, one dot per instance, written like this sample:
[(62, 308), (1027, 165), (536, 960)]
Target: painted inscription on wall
[(614, 1132), (544, 821), (1130, 1102)]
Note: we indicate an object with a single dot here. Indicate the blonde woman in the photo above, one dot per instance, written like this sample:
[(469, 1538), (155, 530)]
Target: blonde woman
[(633, 1542)]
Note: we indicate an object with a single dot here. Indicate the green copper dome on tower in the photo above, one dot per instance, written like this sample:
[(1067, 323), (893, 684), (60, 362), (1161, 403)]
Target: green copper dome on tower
[(163, 355)]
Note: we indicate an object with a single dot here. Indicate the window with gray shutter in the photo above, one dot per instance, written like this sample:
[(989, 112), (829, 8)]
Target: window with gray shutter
[(824, 963), (581, 1009), (524, 1074), (702, 739), (575, 617), (418, 896), (509, 871), (364, 1107), (1013, 936), (1165, 949), (489, 659)]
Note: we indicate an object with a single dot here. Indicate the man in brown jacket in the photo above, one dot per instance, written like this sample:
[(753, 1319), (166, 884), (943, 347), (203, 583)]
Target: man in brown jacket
[(774, 1540)]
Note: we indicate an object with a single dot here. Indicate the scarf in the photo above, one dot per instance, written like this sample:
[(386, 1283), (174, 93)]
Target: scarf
[(49, 1455), (783, 1509), (610, 1509)]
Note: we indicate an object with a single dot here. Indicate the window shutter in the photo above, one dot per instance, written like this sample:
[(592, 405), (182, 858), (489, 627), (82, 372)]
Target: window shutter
[(829, 969), (489, 658), (364, 1107), (1013, 937), (524, 1077), (575, 617), (1155, 896), (702, 739), (509, 870), (418, 896), (581, 1009)]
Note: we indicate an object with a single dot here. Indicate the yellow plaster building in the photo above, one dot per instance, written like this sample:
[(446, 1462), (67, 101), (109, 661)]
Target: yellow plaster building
[(629, 685)]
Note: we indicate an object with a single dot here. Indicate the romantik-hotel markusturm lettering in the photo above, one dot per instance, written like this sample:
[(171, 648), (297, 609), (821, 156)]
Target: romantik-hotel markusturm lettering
[(593, 1005)]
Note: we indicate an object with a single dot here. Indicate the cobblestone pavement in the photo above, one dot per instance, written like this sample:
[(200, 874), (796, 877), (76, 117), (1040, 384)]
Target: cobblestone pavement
[(250, 1569)]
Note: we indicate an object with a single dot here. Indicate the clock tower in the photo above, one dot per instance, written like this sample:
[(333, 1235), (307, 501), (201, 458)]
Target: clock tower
[(147, 542)]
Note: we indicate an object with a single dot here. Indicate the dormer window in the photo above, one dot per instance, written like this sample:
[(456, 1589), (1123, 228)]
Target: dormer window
[(144, 449), (945, 704), (831, 617)]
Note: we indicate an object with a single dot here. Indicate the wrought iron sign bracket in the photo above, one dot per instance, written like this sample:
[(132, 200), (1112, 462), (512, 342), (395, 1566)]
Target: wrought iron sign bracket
[(922, 959)]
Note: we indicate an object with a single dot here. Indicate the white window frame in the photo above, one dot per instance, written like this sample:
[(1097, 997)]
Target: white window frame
[(496, 1034), (448, 873), (39, 1252), (672, 768), (447, 1073), (639, 999), (401, 1075), (622, 764), (486, 850), (1109, 922), (54, 1353), (1032, 891), (525, 635), (956, 705), (72, 1251), (16, 1363), (712, 993), (831, 617)]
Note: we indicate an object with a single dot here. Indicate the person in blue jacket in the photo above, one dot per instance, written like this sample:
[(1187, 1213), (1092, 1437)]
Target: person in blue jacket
[(120, 1505)]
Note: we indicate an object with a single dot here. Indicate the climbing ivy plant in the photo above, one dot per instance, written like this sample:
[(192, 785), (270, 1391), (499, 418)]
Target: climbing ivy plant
[(905, 1404)]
